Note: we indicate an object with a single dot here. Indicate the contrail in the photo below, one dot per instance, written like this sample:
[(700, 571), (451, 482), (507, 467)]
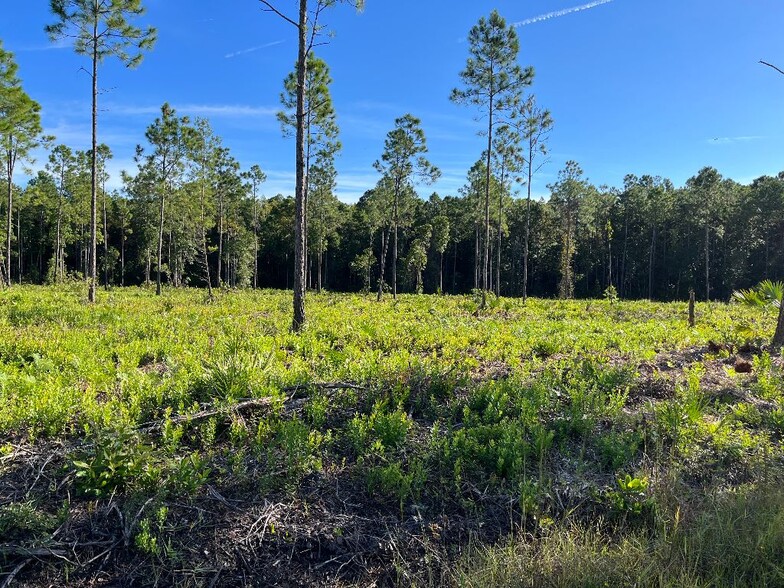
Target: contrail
[(252, 49), (558, 13)]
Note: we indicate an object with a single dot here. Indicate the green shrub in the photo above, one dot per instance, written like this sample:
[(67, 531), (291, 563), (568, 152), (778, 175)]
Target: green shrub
[(117, 460)]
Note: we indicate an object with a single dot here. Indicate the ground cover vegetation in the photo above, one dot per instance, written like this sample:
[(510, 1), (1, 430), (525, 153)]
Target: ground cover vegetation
[(178, 439)]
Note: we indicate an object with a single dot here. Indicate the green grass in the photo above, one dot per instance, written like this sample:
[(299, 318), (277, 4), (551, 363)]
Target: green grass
[(599, 427)]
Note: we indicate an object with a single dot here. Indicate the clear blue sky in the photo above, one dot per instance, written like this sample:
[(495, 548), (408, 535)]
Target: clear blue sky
[(635, 86)]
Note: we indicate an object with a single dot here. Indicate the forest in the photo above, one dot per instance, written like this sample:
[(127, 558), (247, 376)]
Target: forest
[(490, 389), (648, 239)]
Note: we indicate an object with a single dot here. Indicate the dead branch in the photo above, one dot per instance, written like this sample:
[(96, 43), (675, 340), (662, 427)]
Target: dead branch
[(773, 66), (18, 550), (152, 426), (205, 414), (271, 8)]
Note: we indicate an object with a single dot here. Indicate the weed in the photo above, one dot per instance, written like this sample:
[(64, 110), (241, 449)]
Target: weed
[(117, 460)]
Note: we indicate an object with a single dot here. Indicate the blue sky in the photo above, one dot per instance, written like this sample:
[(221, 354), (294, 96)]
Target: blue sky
[(635, 86)]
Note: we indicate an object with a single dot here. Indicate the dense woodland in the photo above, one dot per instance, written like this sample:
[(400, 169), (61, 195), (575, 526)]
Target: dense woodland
[(648, 239), (189, 215)]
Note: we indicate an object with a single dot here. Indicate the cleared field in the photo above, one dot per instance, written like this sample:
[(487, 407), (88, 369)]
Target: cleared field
[(173, 440)]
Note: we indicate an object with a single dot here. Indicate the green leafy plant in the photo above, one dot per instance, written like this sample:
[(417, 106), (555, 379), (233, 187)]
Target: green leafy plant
[(631, 495), (117, 460), (395, 481), (765, 294)]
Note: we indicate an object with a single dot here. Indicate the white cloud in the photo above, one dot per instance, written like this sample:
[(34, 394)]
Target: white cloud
[(64, 43), (559, 13), (214, 110), (732, 140), (251, 49)]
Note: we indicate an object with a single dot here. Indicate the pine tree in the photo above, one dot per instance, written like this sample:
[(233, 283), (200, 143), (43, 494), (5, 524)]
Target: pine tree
[(100, 29), (401, 163), (493, 82), (20, 133)]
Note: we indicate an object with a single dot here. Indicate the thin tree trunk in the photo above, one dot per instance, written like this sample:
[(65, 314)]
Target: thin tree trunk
[(19, 245), (255, 241), (204, 247), (318, 271), (382, 261), (394, 250), (122, 250), (527, 222), (160, 242), (454, 269), (707, 262), (93, 266), (57, 248), (105, 242), (477, 260), (486, 255), (219, 273), (498, 257), (622, 284), (10, 163), (301, 178), (441, 274), (651, 259)]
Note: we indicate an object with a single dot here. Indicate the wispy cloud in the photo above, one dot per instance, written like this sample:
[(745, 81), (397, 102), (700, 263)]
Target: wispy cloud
[(559, 13), (214, 110), (64, 43), (252, 49), (732, 140)]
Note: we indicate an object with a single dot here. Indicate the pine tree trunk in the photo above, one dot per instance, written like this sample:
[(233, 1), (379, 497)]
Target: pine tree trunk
[(486, 255), (122, 251), (57, 249), (477, 261), (454, 270), (160, 243), (105, 243), (318, 270), (19, 245), (651, 259), (382, 261), (93, 266), (441, 274), (255, 242), (9, 221), (707, 262), (498, 256), (301, 187), (205, 257), (394, 256), (527, 223)]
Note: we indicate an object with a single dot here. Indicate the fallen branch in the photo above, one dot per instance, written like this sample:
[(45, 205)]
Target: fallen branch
[(18, 550), (245, 404), (325, 386), (205, 414)]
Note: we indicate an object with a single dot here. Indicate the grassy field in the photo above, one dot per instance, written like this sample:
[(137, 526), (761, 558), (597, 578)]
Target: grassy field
[(178, 441)]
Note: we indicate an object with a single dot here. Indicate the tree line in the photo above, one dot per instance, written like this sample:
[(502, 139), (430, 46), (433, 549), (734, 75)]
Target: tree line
[(208, 226), (190, 215)]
